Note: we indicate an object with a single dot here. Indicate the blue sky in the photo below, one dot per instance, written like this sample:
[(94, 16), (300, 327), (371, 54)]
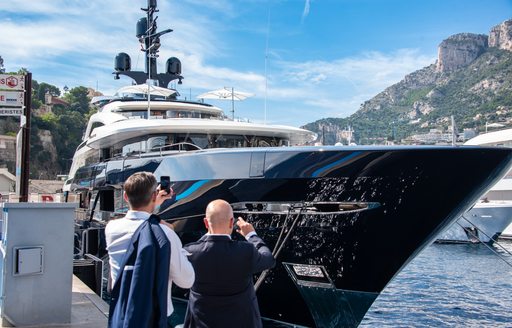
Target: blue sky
[(324, 57)]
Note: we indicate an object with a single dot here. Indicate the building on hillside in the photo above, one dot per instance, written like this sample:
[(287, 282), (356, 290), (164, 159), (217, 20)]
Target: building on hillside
[(91, 93), (50, 101), (434, 136), (7, 182)]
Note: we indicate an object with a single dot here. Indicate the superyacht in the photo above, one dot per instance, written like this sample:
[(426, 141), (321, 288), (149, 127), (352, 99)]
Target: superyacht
[(342, 221)]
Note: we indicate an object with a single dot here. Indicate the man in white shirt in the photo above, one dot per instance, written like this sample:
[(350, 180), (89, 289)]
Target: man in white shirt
[(142, 195)]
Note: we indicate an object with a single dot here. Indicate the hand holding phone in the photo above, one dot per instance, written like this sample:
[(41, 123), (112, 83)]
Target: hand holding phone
[(165, 184)]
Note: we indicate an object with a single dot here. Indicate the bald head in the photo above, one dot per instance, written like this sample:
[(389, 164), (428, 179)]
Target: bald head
[(219, 217)]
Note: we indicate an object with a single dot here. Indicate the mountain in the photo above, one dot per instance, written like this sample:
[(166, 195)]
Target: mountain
[(471, 80)]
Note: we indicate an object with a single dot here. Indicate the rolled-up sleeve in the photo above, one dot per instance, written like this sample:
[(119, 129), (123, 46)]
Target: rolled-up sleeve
[(181, 271)]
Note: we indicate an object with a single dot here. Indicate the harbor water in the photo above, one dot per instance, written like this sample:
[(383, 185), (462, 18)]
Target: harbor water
[(448, 286)]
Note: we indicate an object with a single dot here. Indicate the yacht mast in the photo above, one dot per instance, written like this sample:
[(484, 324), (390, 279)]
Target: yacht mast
[(149, 38)]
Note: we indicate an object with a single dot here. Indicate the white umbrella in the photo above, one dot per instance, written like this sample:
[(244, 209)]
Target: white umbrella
[(226, 94), (493, 125), (143, 89)]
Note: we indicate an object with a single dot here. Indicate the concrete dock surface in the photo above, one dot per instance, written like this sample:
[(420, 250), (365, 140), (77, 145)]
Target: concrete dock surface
[(88, 310)]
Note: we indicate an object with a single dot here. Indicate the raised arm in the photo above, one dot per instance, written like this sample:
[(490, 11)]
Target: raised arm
[(262, 257)]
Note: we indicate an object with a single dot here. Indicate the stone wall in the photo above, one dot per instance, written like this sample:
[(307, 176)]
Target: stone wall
[(47, 141)]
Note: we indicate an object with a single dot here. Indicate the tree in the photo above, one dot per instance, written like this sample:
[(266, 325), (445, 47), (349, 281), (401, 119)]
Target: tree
[(78, 99), (43, 88)]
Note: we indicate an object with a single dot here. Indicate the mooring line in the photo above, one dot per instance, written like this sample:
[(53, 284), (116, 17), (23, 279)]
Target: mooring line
[(279, 247), (486, 245), (494, 240)]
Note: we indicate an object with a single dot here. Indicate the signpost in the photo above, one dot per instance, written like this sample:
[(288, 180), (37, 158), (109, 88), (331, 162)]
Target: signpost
[(25, 147), (16, 95)]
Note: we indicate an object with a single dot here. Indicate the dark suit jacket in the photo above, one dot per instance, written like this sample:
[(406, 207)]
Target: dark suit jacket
[(139, 296), (223, 293)]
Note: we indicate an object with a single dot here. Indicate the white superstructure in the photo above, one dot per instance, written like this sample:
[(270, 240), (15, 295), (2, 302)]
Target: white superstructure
[(502, 191), (121, 128)]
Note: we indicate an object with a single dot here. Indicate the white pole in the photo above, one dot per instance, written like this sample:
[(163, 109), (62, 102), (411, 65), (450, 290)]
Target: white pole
[(149, 91), (454, 137), (233, 103)]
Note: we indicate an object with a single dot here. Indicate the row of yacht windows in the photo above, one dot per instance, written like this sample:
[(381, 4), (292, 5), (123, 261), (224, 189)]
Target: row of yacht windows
[(190, 141), (171, 114)]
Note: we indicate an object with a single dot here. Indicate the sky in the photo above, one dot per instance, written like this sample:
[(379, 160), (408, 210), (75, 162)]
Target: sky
[(302, 59)]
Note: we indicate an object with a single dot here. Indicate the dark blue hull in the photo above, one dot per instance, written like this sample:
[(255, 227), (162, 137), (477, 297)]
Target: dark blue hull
[(349, 218)]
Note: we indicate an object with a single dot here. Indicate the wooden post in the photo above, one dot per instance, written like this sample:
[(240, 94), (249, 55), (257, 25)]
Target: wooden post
[(25, 143)]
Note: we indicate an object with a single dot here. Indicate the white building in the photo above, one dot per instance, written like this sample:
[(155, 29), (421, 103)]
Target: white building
[(7, 182)]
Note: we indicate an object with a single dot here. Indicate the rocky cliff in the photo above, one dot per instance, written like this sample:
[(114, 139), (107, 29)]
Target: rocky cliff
[(501, 36), (460, 50)]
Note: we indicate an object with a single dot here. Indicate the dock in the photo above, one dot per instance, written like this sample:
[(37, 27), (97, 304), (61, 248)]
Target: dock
[(88, 310)]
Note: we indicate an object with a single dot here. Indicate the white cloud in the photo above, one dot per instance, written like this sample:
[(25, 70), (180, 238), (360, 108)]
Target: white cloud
[(317, 89), (305, 13)]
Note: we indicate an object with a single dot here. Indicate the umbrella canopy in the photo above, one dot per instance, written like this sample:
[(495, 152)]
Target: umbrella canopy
[(494, 125), (226, 94), (142, 89)]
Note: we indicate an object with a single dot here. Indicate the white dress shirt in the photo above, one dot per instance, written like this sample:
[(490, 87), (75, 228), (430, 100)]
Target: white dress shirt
[(118, 234)]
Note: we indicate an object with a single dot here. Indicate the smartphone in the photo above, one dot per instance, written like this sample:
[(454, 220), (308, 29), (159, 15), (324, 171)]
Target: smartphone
[(165, 183)]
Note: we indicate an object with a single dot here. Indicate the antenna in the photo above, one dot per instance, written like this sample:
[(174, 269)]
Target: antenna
[(149, 38)]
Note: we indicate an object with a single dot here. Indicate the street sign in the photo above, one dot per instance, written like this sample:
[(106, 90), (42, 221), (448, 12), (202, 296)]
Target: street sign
[(12, 82), (11, 111), (12, 98)]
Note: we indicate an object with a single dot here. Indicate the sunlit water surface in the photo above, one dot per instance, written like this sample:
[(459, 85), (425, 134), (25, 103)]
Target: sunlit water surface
[(448, 286)]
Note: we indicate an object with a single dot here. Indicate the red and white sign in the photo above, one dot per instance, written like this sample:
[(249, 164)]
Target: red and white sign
[(11, 98), (12, 82)]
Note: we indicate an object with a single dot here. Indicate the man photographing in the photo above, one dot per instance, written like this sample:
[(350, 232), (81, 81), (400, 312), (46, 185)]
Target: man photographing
[(146, 256), (223, 293)]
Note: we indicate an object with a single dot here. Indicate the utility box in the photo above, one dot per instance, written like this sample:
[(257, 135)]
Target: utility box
[(36, 263)]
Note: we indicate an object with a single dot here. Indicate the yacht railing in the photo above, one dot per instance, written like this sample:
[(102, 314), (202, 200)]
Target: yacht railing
[(181, 146), (162, 150)]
